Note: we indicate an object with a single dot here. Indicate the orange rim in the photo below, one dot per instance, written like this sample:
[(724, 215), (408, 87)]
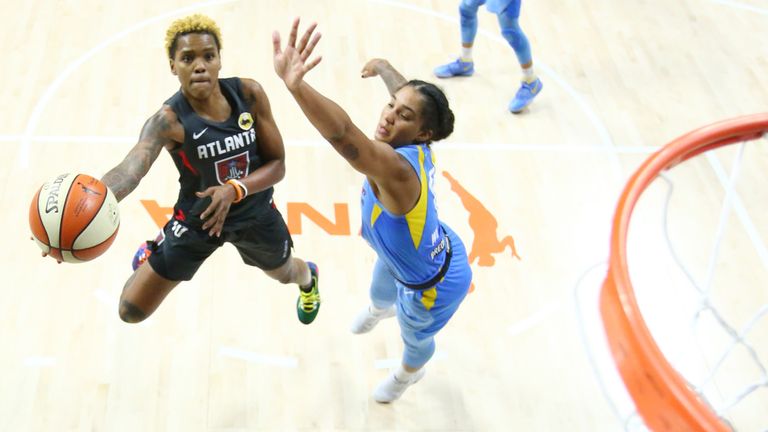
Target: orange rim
[(661, 395)]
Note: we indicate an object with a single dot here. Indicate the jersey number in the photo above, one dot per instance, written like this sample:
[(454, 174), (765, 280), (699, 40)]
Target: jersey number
[(178, 229)]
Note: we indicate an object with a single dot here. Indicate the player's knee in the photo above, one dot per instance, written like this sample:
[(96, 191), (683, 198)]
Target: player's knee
[(285, 278), (519, 43), (285, 273), (131, 313), (468, 9), (513, 33)]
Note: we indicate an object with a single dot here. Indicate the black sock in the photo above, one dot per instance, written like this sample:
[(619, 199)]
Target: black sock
[(307, 288)]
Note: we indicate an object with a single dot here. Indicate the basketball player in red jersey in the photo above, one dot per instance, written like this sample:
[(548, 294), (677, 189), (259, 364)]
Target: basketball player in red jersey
[(229, 154)]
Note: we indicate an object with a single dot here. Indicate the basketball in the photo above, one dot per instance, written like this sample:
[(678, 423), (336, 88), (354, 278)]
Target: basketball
[(74, 218)]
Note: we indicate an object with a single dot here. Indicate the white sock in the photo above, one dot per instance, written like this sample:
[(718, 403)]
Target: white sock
[(376, 311), (466, 54), (403, 375), (528, 75)]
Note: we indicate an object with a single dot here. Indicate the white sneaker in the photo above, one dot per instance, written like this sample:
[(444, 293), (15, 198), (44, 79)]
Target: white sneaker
[(366, 320), (391, 389)]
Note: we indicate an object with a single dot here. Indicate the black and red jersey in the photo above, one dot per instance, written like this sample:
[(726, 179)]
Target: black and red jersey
[(214, 152)]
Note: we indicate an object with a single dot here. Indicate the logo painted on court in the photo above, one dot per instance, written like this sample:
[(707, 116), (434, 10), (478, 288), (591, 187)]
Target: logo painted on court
[(484, 225), (486, 244)]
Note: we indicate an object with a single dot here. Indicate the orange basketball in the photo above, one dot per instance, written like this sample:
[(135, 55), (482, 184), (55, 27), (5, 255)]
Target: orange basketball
[(74, 218)]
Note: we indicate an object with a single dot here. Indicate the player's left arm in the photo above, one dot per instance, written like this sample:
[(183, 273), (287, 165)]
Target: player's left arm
[(271, 148)]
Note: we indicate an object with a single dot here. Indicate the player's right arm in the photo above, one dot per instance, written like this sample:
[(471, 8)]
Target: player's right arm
[(161, 130)]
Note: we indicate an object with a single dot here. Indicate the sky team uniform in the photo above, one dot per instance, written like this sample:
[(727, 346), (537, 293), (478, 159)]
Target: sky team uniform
[(421, 262), (497, 6), (508, 12), (212, 153)]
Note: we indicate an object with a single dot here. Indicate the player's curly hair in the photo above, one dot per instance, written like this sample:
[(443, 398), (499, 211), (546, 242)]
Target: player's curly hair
[(196, 23)]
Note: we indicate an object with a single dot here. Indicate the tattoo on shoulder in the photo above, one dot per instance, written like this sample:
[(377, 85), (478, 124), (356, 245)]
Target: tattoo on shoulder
[(249, 95), (158, 123), (249, 99), (164, 123)]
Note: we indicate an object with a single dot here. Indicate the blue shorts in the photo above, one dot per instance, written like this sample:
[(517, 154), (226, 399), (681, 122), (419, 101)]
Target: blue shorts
[(422, 313), (510, 7)]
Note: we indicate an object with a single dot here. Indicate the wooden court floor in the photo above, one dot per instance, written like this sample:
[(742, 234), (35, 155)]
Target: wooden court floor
[(531, 195)]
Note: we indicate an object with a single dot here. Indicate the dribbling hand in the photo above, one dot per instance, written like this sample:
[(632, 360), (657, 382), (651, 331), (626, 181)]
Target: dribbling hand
[(291, 63)]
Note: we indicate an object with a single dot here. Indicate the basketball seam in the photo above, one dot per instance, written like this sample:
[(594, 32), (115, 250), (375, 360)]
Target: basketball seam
[(42, 224), (73, 251), (96, 213), (64, 212)]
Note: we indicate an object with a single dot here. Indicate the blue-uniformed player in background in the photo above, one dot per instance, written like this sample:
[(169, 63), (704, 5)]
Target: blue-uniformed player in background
[(508, 12)]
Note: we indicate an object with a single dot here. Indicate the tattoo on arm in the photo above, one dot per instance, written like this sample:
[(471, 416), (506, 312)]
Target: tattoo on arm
[(350, 152), (124, 178), (250, 100), (391, 77)]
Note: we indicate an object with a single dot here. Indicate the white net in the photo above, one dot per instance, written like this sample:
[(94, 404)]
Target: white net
[(698, 262)]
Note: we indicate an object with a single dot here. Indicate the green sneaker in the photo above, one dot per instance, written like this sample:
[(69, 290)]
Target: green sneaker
[(308, 303)]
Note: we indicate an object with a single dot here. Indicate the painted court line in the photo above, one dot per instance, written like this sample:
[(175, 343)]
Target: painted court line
[(62, 77), (391, 363), (742, 6), (493, 147), (249, 356), (39, 361), (592, 116), (538, 317)]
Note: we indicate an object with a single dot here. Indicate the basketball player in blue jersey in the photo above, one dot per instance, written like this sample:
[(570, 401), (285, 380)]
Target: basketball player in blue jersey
[(422, 273), (229, 154), (507, 12)]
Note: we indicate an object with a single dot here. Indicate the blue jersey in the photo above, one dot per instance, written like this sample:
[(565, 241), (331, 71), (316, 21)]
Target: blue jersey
[(413, 245)]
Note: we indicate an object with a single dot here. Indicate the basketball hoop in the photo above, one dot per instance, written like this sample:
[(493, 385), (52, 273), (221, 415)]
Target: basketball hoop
[(663, 398)]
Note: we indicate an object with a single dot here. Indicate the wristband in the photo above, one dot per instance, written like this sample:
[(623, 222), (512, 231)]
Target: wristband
[(240, 190), (242, 186)]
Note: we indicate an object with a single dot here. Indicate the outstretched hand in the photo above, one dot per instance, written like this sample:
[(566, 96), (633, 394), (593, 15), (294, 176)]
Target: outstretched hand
[(291, 63)]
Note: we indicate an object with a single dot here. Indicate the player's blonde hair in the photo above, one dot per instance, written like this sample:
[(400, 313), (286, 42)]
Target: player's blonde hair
[(197, 23)]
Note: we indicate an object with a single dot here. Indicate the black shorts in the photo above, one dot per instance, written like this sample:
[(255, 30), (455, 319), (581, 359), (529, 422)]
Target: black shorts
[(180, 249)]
